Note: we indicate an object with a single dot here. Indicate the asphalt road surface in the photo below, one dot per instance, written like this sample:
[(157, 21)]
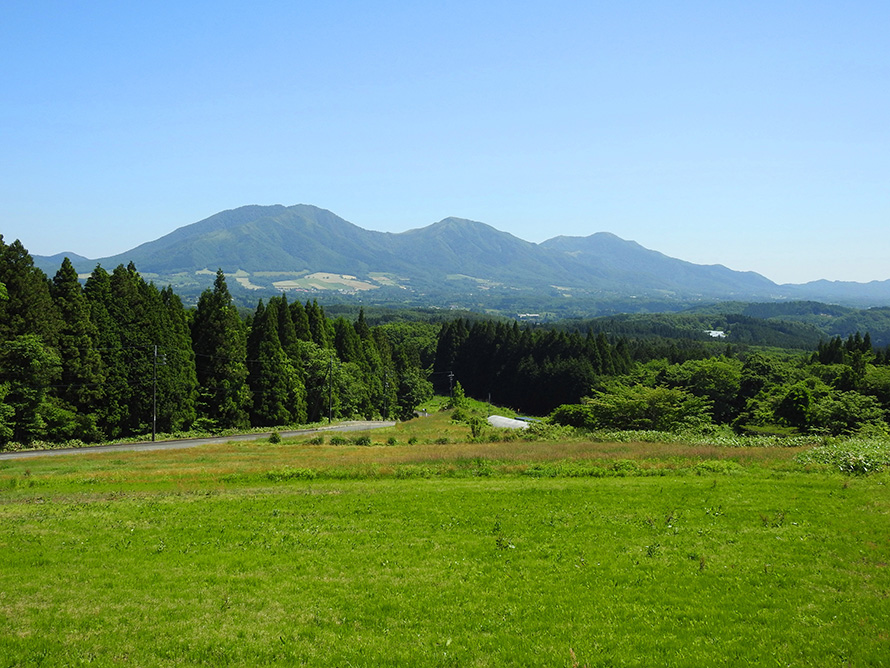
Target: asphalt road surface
[(191, 442)]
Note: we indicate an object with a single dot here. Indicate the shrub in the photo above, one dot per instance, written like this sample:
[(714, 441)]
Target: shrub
[(641, 407), (339, 440), (573, 415), (478, 426), (274, 437)]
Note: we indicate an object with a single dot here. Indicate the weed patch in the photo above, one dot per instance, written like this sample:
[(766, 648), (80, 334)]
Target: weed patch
[(853, 455)]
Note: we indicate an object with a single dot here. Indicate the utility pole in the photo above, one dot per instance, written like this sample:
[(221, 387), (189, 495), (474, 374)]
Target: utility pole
[(450, 384), (385, 396), (154, 396), (154, 391), (331, 388)]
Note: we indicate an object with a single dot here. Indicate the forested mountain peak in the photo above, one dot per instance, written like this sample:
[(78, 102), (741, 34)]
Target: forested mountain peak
[(455, 261)]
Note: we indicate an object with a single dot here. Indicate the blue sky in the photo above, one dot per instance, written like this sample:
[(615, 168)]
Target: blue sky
[(750, 134)]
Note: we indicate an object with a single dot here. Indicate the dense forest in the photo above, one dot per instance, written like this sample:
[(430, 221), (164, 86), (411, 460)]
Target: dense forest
[(841, 388), (114, 356)]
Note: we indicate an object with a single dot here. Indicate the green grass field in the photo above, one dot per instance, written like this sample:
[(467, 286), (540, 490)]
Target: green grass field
[(443, 554)]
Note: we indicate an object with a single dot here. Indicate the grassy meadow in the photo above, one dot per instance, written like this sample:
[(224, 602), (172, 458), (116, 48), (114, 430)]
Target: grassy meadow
[(441, 552)]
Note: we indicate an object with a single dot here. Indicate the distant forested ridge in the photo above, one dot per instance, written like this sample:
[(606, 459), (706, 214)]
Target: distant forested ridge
[(114, 357), (270, 249)]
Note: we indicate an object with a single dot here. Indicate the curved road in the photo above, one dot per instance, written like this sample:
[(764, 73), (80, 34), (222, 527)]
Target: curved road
[(191, 442)]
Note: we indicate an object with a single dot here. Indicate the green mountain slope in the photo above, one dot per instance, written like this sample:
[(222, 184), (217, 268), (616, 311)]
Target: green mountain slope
[(455, 261), (608, 258)]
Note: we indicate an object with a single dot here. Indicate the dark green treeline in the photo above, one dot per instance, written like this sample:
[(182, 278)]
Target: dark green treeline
[(114, 356), (532, 370)]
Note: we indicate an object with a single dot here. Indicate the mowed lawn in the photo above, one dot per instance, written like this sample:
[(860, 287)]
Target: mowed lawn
[(289, 554)]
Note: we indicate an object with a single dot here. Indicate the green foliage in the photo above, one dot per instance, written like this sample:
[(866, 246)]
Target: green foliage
[(7, 416), (27, 369), (220, 344), (574, 415), (796, 406), (845, 413), (478, 427), (876, 383), (641, 407), (413, 390), (531, 370), (176, 374), (458, 397), (718, 380), (28, 307), (288, 474), (278, 393), (82, 373)]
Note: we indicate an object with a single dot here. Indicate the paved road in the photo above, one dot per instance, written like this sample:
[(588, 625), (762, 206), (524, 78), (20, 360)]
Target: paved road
[(191, 442)]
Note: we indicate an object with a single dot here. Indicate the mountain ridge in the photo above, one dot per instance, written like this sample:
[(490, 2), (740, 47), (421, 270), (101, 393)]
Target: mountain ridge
[(453, 255)]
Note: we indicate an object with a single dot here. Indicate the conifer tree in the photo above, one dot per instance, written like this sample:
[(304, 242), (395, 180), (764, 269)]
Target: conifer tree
[(111, 413), (178, 383), (220, 344), (273, 381), (28, 307), (27, 369), (319, 368), (372, 368), (82, 381), (138, 317), (346, 341), (361, 325), (301, 321), (319, 330), (287, 333)]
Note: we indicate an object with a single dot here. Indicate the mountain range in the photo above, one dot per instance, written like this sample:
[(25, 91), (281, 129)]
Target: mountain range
[(302, 248)]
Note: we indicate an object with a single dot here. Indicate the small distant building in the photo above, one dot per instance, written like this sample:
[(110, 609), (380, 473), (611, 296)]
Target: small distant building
[(716, 333)]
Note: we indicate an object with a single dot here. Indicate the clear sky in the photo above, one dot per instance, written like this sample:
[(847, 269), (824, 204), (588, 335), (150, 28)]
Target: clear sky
[(753, 134)]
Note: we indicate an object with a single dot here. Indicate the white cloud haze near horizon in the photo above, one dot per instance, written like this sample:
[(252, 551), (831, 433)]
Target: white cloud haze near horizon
[(752, 134)]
